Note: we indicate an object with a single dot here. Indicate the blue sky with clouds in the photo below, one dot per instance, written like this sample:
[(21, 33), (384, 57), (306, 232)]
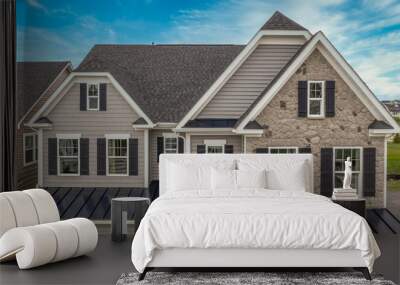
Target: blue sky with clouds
[(366, 32)]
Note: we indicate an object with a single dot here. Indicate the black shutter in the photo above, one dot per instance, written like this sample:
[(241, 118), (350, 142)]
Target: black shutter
[(262, 150), (201, 148), (369, 164), (84, 156), (83, 97), (103, 97), (160, 147), (228, 148), (181, 145), (101, 156), (302, 98), (304, 149), (330, 98), (133, 157), (326, 172), (52, 156)]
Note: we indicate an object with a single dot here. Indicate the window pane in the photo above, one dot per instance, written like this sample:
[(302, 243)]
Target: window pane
[(93, 90), (274, 150), (69, 165), (171, 145), (29, 142), (93, 101), (339, 165), (346, 153), (117, 166), (215, 149), (291, 150), (28, 156), (117, 147), (68, 147), (315, 107), (338, 153)]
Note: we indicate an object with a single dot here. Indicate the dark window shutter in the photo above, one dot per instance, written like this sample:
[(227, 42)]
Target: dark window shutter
[(83, 97), (103, 97), (302, 98), (201, 148), (101, 156), (181, 145), (326, 172), (369, 164), (330, 98), (262, 150), (84, 156), (304, 149), (228, 148), (160, 147), (52, 156), (133, 157)]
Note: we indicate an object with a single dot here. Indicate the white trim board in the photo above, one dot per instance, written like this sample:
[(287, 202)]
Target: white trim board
[(233, 67), (74, 77), (341, 66)]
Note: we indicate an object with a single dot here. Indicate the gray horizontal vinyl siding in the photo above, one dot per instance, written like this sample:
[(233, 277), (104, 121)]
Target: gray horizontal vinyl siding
[(68, 119), (248, 81), (236, 141)]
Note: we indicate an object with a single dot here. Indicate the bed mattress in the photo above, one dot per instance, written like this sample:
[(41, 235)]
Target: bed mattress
[(250, 219)]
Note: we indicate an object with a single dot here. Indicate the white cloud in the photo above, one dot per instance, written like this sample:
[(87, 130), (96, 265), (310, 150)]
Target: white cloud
[(36, 4), (353, 31)]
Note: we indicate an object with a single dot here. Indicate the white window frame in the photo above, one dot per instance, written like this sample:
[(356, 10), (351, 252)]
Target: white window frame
[(34, 148), (284, 147), (170, 136), (117, 137), (360, 177), (322, 99), (69, 137), (217, 143), (89, 96)]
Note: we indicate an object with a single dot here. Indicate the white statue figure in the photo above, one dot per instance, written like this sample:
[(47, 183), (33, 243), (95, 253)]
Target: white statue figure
[(347, 174)]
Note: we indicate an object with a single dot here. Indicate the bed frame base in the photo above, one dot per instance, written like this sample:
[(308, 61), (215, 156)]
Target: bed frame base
[(240, 259), (363, 270)]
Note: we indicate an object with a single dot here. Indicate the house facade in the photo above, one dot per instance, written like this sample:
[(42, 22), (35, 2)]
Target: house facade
[(286, 91), (36, 81)]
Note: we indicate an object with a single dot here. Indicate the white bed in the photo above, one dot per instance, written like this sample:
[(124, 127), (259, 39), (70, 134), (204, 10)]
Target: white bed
[(248, 226)]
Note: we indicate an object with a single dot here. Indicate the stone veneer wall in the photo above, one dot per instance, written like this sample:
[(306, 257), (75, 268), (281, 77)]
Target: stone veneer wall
[(349, 127)]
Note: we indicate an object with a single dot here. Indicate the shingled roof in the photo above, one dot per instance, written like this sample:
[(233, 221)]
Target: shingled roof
[(278, 21), (164, 80), (33, 78)]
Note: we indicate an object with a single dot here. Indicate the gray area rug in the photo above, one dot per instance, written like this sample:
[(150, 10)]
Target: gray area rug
[(229, 278)]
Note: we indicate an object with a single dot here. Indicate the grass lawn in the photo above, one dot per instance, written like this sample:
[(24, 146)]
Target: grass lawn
[(393, 185), (393, 166)]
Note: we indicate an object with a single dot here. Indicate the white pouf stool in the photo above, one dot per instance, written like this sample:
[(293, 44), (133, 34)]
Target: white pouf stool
[(31, 230)]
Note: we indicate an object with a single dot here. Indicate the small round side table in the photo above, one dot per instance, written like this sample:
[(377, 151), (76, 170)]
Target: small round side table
[(119, 214)]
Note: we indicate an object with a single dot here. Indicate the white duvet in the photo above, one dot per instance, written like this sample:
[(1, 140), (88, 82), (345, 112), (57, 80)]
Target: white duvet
[(254, 218)]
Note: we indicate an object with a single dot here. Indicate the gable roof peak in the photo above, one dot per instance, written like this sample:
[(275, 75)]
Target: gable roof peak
[(279, 21)]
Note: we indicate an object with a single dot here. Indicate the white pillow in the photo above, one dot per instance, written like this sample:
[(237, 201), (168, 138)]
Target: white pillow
[(251, 178), (223, 179), (293, 178), (189, 177)]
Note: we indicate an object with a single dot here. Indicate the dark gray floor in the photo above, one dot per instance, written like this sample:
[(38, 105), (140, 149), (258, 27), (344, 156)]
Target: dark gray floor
[(104, 266), (110, 260)]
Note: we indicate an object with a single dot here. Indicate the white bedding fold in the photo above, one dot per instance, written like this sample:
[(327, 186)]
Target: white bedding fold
[(256, 218)]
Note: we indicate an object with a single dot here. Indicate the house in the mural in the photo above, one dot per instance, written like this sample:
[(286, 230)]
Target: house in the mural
[(36, 81), (286, 91)]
